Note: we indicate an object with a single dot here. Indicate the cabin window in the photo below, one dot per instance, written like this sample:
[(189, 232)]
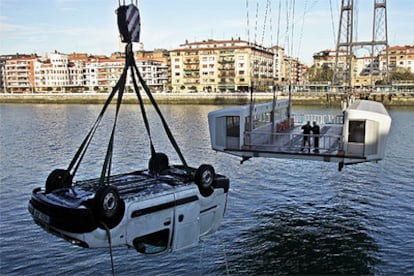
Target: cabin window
[(356, 132), (261, 119), (233, 126)]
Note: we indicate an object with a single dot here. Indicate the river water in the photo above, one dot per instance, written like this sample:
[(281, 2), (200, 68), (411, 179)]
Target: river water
[(282, 217)]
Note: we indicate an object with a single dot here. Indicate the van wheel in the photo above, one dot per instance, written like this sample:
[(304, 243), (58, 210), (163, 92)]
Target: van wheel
[(57, 179), (204, 178), (108, 206), (158, 163)]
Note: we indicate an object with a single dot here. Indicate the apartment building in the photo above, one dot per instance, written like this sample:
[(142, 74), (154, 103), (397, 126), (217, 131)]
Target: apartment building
[(18, 74), (51, 71), (221, 66), (401, 56), (57, 72), (3, 59), (279, 64), (154, 72), (77, 63), (101, 73), (366, 70)]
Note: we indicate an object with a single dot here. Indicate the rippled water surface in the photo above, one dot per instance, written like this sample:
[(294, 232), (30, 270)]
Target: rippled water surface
[(283, 216)]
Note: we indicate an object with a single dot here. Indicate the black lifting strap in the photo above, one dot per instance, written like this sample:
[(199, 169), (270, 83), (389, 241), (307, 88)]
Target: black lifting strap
[(164, 122), (77, 159), (106, 169), (143, 113), (120, 87)]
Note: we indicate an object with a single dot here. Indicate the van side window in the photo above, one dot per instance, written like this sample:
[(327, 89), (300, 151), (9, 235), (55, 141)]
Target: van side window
[(153, 243)]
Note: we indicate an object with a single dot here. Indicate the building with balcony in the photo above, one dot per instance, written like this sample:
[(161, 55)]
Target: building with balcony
[(279, 64), (56, 72), (154, 72), (18, 74), (221, 66), (367, 70), (401, 56)]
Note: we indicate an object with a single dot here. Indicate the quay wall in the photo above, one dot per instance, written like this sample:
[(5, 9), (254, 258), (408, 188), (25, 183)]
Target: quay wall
[(298, 98)]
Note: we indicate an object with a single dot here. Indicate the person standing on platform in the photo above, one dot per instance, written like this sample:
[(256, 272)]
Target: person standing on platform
[(306, 135), (315, 132)]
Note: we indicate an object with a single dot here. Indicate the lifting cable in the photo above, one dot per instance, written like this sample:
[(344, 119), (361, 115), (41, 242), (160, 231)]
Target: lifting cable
[(86, 142), (129, 36), (106, 169), (164, 122), (120, 87), (143, 113), (108, 234)]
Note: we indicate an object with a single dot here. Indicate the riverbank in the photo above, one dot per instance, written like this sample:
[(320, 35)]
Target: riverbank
[(302, 98)]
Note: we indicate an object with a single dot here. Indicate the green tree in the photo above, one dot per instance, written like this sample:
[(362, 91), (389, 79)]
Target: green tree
[(324, 73), (401, 73)]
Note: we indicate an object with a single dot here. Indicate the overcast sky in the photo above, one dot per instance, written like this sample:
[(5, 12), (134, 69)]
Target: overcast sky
[(89, 26)]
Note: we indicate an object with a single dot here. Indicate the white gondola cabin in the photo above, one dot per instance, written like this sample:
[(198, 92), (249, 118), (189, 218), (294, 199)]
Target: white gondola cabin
[(356, 135)]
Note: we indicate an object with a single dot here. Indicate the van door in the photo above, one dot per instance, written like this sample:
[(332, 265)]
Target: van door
[(150, 227), (186, 220)]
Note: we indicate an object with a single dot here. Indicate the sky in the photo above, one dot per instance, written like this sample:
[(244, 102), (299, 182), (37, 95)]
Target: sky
[(302, 27)]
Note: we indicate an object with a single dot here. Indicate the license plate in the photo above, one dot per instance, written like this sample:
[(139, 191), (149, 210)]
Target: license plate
[(40, 216)]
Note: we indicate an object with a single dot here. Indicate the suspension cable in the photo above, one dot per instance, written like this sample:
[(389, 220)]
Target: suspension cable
[(247, 18), (302, 27), (256, 23), (332, 21), (264, 21)]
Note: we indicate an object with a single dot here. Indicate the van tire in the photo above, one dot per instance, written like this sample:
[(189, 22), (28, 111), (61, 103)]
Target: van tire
[(204, 178), (158, 163), (109, 208), (57, 179)]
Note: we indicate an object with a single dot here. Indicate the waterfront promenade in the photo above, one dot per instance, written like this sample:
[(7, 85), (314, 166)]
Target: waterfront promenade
[(298, 98)]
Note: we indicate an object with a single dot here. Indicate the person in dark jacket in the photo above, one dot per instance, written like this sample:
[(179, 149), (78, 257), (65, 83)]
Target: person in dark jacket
[(306, 135), (315, 132)]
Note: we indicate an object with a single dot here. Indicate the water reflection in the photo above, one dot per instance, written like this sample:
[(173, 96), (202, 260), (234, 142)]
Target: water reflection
[(293, 241)]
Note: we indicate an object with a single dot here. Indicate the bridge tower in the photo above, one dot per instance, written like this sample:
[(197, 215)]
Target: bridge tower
[(377, 68)]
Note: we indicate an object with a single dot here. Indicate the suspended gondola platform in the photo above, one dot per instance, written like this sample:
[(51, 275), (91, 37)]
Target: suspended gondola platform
[(269, 130), (161, 208)]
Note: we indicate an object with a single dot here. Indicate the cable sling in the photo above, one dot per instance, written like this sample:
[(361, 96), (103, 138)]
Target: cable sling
[(86, 142), (164, 122), (120, 89)]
